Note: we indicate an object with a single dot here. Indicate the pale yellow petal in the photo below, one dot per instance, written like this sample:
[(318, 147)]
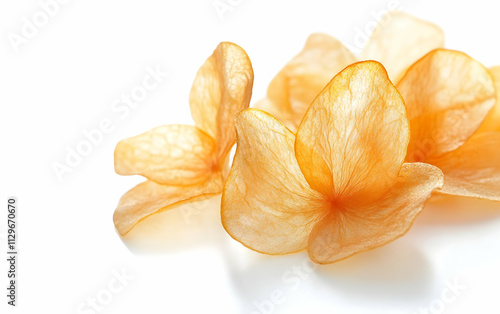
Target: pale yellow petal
[(492, 121)]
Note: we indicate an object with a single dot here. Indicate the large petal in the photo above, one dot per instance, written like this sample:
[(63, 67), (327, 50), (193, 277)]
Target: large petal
[(354, 230), (492, 121), (267, 204), (171, 154), (353, 139), (448, 94), (149, 198), (474, 169), (294, 88), (221, 89), (399, 40)]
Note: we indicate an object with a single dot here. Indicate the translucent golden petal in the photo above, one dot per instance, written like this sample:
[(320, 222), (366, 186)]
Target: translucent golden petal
[(492, 121), (400, 39), (448, 95), (295, 86), (171, 154), (353, 139), (474, 169), (347, 231), (267, 204), (149, 198), (221, 89)]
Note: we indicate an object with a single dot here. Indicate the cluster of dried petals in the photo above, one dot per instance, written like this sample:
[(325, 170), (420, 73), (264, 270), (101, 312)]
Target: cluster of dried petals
[(186, 163), (449, 97), (340, 185), (397, 43)]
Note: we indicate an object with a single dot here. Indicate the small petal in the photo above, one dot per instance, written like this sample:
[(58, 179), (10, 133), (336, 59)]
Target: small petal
[(401, 39), (474, 169), (492, 121), (171, 154), (353, 230), (353, 139), (294, 88), (221, 89), (149, 198), (267, 204)]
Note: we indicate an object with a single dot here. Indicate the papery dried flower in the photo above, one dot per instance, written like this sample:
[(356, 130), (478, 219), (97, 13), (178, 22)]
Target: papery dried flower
[(339, 186), (448, 95), (187, 163), (397, 43)]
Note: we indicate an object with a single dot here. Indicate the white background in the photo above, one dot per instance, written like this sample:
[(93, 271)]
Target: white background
[(65, 80)]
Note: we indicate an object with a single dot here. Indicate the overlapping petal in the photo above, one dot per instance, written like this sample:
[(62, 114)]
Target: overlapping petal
[(347, 231), (149, 198), (492, 121), (170, 154), (353, 139), (221, 89), (473, 170), (293, 89), (400, 39), (448, 95), (267, 204)]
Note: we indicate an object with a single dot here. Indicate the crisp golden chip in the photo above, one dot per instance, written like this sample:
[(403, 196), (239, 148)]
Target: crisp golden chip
[(448, 95), (492, 121), (398, 41), (187, 163), (341, 187)]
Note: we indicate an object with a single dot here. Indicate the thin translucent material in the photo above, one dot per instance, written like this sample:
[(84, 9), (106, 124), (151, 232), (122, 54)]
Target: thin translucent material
[(352, 230), (399, 40), (187, 163), (295, 86), (353, 139), (170, 154), (448, 95), (221, 89), (473, 170), (267, 204), (149, 198), (492, 121), (341, 184)]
